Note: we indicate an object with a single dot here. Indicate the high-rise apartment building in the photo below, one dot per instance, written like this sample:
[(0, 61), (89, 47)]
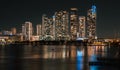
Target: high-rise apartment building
[(23, 30), (39, 29), (61, 25), (82, 27), (91, 22), (47, 28), (74, 23), (27, 31)]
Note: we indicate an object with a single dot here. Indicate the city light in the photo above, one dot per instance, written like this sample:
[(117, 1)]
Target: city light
[(63, 25)]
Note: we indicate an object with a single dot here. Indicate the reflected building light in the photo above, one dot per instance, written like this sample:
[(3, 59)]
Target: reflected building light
[(93, 67), (79, 53), (45, 51), (93, 57), (63, 55), (36, 56), (64, 52), (79, 60), (52, 55), (73, 51)]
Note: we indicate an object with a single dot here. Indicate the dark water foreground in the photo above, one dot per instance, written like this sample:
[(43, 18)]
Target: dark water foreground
[(59, 57)]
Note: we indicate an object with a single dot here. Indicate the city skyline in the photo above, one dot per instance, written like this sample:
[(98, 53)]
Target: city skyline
[(63, 25), (15, 13)]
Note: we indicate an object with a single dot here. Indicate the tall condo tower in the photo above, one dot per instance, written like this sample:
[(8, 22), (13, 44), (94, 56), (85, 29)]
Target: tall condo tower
[(74, 23), (82, 27), (91, 22), (61, 25), (27, 30), (38, 29), (47, 28)]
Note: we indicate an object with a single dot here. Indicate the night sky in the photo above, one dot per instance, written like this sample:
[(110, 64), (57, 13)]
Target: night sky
[(13, 13)]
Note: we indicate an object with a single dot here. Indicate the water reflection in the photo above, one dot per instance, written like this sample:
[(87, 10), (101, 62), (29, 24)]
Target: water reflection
[(53, 57), (79, 60)]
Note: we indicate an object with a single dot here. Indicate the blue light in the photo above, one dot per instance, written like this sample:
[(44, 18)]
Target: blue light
[(79, 53), (93, 57), (53, 16), (79, 60), (93, 67), (93, 9)]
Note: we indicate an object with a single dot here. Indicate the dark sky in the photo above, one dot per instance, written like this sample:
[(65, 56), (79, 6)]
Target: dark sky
[(13, 13)]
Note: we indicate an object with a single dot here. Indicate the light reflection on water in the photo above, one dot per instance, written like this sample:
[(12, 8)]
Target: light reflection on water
[(79, 60), (52, 57)]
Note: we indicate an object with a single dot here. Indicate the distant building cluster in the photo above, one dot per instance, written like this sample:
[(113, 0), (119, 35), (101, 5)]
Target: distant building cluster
[(63, 25)]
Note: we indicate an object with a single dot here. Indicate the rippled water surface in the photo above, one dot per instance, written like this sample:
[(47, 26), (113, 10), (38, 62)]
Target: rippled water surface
[(55, 57)]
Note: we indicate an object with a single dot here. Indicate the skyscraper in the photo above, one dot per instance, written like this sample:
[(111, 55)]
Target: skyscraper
[(23, 30), (73, 23), (91, 22), (82, 27), (61, 25), (27, 31), (39, 29), (47, 28)]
